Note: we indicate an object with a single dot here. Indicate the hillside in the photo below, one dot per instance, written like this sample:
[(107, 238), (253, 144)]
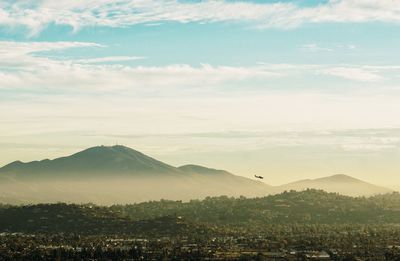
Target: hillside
[(101, 160), (305, 207), (121, 175), (196, 169), (117, 174), (171, 217), (85, 219), (340, 183)]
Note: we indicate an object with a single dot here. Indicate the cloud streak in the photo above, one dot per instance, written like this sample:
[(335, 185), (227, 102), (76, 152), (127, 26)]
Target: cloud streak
[(356, 74), (27, 65), (88, 13), (111, 59), (22, 65)]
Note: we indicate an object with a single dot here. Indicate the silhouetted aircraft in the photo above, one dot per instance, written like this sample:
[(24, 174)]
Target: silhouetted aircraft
[(258, 177)]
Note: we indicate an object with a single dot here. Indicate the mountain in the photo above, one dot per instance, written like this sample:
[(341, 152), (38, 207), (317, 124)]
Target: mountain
[(190, 168), (115, 160), (117, 174), (339, 183)]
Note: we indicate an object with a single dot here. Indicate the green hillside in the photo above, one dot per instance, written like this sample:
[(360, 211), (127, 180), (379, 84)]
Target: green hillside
[(307, 208)]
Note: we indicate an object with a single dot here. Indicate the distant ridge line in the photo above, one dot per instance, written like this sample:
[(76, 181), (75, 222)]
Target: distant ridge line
[(117, 174)]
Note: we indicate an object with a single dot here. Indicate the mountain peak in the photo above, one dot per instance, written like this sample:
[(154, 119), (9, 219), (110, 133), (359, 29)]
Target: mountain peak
[(339, 178), (12, 165), (119, 174), (339, 183), (104, 148), (114, 160)]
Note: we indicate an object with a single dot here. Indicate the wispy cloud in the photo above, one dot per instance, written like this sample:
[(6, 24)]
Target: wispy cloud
[(356, 74), (313, 47), (32, 47), (36, 16), (111, 59), (22, 55), (361, 140), (22, 66), (27, 65)]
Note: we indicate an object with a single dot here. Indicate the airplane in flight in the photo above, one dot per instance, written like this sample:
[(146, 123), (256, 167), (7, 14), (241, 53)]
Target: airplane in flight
[(258, 177)]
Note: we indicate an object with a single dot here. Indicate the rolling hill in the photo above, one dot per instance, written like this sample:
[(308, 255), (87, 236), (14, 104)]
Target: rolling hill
[(339, 183), (97, 161), (117, 174)]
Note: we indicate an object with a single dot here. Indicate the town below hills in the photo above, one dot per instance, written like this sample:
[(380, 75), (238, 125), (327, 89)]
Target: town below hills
[(110, 175), (306, 225), (120, 204), (305, 207)]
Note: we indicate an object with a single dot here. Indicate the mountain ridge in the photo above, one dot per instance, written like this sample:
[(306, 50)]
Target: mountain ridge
[(99, 159), (192, 168), (340, 183), (118, 174)]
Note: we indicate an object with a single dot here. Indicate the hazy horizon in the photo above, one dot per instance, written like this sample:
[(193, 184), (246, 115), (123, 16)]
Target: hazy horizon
[(64, 176), (288, 90), (199, 129)]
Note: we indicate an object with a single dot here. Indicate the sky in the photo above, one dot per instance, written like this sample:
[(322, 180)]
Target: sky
[(284, 89)]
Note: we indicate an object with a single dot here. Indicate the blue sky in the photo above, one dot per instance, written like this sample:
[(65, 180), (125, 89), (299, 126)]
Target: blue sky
[(247, 86)]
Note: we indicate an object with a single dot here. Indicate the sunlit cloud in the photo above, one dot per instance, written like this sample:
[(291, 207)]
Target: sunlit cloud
[(28, 66), (77, 14), (110, 59), (22, 66), (313, 47), (356, 74)]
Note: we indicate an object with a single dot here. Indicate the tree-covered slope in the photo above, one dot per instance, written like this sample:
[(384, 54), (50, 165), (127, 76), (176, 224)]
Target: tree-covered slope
[(309, 207)]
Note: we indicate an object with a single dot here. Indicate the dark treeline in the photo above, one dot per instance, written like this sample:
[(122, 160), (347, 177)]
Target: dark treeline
[(307, 225), (306, 207)]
